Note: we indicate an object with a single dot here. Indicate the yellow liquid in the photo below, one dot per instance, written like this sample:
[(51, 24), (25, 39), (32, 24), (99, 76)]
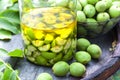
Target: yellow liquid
[(53, 26)]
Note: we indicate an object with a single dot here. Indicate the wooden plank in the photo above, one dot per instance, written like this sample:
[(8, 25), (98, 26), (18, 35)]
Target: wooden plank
[(108, 72)]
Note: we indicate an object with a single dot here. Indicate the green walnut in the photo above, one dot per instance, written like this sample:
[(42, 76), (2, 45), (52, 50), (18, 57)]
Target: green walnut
[(82, 44), (68, 44), (92, 25), (41, 61), (92, 1), (77, 69), (31, 48), (60, 41), (48, 55), (61, 68), (68, 55), (94, 50), (56, 49), (44, 76), (44, 47), (78, 6), (81, 17), (100, 6), (37, 43), (81, 31), (89, 10), (72, 4), (57, 58), (82, 57)]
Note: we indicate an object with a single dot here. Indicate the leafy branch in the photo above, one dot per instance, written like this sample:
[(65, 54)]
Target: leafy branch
[(7, 73)]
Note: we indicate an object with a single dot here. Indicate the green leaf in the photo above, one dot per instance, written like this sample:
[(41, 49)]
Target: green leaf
[(15, 7), (4, 34), (3, 52), (116, 76), (1, 63), (9, 18), (2, 67), (13, 76), (7, 73), (14, 1), (10, 15), (4, 4), (5, 24), (28, 4), (16, 53), (18, 27), (1, 75)]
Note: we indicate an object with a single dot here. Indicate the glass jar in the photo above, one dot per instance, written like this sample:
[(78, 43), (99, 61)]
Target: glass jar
[(48, 30)]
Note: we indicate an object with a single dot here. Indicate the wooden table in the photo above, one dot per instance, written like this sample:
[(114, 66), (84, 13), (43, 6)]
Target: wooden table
[(100, 69)]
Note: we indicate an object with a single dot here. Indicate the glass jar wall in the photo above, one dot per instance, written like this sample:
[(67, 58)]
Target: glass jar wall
[(48, 30)]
